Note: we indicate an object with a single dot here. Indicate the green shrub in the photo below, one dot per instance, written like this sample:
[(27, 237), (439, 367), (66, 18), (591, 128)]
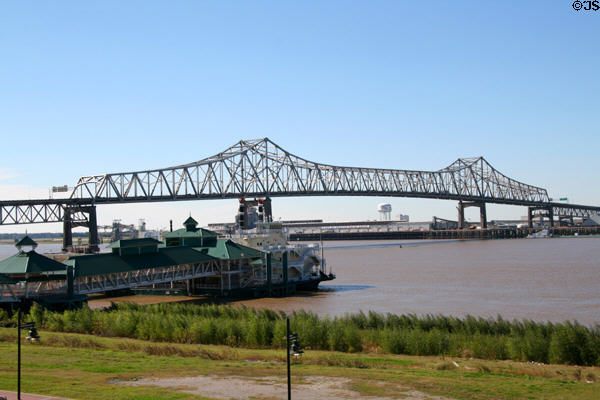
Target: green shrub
[(490, 338)]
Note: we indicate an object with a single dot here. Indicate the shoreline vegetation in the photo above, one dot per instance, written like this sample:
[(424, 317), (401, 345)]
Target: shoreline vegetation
[(429, 335), (82, 366)]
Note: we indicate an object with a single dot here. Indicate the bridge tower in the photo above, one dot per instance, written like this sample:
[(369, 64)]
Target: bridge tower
[(482, 213), (69, 224), (541, 212)]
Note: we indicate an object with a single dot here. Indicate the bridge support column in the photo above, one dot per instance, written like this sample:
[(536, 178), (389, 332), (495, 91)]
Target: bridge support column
[(67, 244), (542, 212), (461, 215), (91, 223), (92, 230), (482, 216)]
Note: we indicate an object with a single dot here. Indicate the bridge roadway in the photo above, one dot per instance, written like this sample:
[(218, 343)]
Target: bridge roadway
[(260, 168)]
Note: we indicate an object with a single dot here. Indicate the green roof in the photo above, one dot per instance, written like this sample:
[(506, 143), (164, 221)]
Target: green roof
[(26, 241), (127, 243), (197, 232), (190, 221), (30, 263), (106, 263), (227, 249)]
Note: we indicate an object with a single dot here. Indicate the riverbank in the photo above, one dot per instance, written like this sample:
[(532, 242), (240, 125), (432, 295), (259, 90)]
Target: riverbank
[(88, 367), (435, 335)]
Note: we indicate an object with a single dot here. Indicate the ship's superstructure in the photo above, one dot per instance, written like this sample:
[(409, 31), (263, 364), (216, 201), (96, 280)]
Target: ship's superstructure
[(303, 264)]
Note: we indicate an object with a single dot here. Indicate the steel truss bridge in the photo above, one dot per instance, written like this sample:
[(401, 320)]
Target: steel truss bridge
[(260, 168)]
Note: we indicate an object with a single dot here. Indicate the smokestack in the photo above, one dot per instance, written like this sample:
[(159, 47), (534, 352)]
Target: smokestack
[(171, 225)]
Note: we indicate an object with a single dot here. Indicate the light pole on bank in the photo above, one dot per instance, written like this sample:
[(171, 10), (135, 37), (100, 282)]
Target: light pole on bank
[(32, 336), (294, 348)]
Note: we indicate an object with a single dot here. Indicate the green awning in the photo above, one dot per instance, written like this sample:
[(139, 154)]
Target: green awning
[(227, 249), (30, 263), (196, 232), (107, 263)]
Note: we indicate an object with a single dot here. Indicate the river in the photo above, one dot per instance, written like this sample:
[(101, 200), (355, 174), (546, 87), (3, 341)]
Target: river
[(540, 279), (554, 279)]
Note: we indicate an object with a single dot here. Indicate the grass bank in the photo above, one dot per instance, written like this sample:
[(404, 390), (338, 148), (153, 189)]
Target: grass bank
[(89, 367), (491, 339)]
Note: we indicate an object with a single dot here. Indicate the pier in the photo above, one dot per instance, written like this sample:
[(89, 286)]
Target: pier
[(486, 233)]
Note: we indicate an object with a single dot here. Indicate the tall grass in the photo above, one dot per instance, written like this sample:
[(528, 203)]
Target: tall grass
[(567, 343)]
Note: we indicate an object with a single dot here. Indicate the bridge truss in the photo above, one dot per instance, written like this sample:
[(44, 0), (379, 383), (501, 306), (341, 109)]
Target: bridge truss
[(38, 211), (260, 168)]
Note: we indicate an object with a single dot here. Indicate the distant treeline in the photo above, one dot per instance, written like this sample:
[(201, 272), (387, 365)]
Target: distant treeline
[(566, 343), (43, 235)]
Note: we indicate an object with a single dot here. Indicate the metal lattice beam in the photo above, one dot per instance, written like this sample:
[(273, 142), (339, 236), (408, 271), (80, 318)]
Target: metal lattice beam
[(261, 168), (37, 211)]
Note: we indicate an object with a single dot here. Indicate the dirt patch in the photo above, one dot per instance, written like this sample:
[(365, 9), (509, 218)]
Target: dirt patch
[(99, 302), (270, 387)]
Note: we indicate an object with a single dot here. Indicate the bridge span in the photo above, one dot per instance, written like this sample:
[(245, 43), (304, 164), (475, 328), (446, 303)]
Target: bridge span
[(260, 168)]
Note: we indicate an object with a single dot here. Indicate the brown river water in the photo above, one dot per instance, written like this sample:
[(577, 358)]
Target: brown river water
[(554, 279)]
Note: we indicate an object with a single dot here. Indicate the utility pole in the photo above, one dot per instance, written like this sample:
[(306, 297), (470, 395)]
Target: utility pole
[(19, 354), (287, 346), (32, 336), (292, 347)]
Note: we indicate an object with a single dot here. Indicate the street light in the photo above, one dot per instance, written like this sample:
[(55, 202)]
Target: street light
[(295, 350), (32, 337)]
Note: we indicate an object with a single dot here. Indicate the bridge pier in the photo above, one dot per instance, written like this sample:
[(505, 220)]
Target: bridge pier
[(482, 216), (69, 224), (482, 213), (67, 243), (544, 212)]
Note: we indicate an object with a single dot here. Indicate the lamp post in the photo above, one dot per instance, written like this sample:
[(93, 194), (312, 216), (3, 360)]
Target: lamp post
[(32, 336), (296, 350)]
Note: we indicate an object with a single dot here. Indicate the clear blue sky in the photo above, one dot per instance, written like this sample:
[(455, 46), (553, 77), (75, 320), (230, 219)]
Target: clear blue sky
[(111, 86)]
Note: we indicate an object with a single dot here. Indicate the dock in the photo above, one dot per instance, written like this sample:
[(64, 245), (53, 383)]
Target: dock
[(486, 233)]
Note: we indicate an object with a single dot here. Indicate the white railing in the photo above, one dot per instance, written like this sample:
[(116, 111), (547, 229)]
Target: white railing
[(145, 277)]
